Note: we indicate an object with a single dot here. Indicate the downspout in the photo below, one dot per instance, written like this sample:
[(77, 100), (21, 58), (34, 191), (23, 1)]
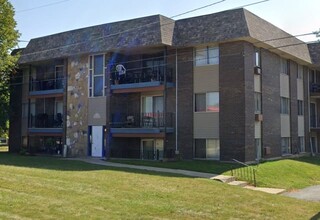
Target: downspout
[(176, 121), (165, 99)]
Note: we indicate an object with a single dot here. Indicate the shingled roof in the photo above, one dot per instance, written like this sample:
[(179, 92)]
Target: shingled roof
[(146, 31), (237, 24), (314, 49)]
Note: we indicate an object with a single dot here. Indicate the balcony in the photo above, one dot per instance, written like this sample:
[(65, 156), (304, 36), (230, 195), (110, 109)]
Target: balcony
[(46, 87), (44, 123), (314, 123), (141, 80), (141, 124), (314, 89)]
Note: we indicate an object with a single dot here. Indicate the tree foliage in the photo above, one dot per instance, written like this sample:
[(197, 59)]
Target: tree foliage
[(8, 40)]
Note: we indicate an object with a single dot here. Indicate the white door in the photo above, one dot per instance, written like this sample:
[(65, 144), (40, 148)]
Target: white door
[(97, 141)]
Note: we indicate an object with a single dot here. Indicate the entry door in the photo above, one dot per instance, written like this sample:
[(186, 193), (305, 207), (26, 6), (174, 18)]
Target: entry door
[(147, 150), (97, 141), (159, 149), (314, 144), (313, 115)]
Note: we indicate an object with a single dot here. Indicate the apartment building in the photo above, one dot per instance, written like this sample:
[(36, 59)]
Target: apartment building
[(221, 86)]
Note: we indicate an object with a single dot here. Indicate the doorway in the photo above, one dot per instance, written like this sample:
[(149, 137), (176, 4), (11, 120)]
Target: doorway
[(152, 149), (97, 141)]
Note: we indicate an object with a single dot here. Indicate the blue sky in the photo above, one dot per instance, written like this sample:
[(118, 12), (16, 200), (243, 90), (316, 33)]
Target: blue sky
[(293, 16)]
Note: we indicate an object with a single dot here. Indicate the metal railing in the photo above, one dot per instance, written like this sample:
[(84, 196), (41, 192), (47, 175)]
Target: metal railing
[(142, 120), (245, 172), (46, 121), (314, 122), (138, 76), (47, 84)]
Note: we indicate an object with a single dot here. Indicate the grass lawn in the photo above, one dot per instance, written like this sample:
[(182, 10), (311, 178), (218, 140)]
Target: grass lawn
[(50, 188), (288, 174)]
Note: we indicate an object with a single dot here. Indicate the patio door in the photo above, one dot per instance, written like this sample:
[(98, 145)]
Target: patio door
[(152, 110), (97, 141), (152, 149), (313, 115)]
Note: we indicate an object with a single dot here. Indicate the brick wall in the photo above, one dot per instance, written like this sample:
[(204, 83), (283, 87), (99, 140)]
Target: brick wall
[(271, 102), (185, 102)]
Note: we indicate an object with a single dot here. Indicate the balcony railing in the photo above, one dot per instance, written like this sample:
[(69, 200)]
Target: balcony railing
[(46, 121), (314, 88), (48, 84), (141, 76), (142, 120)]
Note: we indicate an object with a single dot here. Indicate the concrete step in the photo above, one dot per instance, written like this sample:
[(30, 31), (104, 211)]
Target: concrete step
[(223, 178), (238, 183), (266, 190)]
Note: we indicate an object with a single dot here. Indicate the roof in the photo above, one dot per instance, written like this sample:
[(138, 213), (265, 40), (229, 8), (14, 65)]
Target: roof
[(147, 31), (156, 30), (314, 49), (237, 24)]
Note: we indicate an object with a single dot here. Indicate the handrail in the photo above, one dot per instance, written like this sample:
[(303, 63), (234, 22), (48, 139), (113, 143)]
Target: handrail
[(248, 173)]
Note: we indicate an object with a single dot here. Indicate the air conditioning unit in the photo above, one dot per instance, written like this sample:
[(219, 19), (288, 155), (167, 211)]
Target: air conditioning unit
[(257, 70), (258, 117), (266, 151)]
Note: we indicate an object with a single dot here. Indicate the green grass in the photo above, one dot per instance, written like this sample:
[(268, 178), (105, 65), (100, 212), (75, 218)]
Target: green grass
[(50, 188), (290, 173), (287, 174)]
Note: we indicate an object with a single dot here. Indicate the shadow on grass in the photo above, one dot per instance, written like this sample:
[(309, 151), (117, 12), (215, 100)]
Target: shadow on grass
[(59, 164), (315, 217), (308, 159)]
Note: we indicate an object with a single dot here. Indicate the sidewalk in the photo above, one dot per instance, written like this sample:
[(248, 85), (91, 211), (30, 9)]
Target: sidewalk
[(99, 161), (221, 178)]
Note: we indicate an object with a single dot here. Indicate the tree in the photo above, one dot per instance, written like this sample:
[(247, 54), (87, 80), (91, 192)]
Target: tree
[(8, 40)]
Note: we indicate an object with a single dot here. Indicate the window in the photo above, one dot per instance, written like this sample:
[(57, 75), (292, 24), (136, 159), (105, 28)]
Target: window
[(284, 66), (213, 102), (97, 75), (285, 145), (301, 144), (300, 107), (257, 142), (300, 72), (257, 58), (285, 105), (200, 105), (207, 56), (207, 102), (257, 103), (207, 148)]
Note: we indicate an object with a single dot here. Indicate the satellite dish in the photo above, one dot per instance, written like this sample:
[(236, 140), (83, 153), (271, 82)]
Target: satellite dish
[(121, 69)]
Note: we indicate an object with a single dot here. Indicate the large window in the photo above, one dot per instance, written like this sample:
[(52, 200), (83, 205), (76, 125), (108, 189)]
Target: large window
[(257, 103), (97, 75), (207, 102), (257, 58), (207, 56), (285, 105), (300, 72), (257, 143), (284, 66), (285, 145), (300, 107), (207, 148)]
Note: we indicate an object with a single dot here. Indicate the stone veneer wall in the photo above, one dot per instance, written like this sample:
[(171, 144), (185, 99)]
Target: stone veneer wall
[(77, 104)]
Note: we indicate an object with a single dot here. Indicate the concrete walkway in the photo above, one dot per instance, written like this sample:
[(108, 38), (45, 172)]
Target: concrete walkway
[(311, 193), (222, 178), (147, 168)]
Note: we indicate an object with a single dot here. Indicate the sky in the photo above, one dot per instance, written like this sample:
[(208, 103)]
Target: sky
[(37, 18)]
